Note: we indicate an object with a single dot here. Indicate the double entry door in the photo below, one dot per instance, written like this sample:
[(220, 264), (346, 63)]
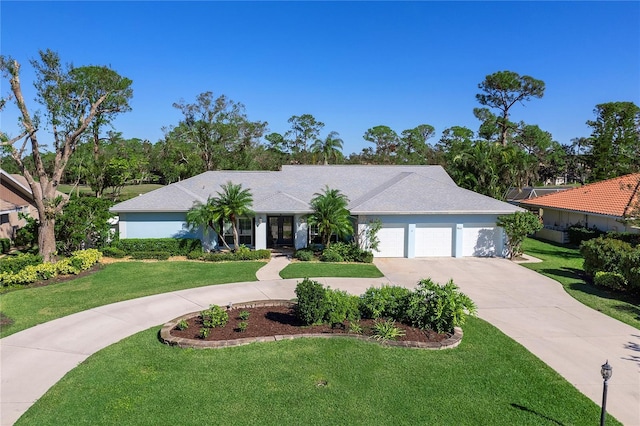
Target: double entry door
[(280, 231)]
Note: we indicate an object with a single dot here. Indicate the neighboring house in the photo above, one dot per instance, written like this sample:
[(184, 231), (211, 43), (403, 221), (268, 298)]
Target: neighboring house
[(604, 205), (15, 197), (518, 195), (423, 212)]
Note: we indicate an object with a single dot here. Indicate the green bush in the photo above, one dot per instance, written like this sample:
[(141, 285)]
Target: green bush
[(158, 255), (331, 256), (113, 252), (438, 307), (311, 306), (14, 264), (174, 246), (215, 316), (610, 280), (630, 269), (304, 255), (229, 256), (340, 306), (66, 267), (5, 245), (578, 234), (195, 254), (384, 302), (603, 254), (627, 237), (346, 252)]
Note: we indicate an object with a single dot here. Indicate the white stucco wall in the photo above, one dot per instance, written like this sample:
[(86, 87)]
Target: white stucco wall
[(559, 219)]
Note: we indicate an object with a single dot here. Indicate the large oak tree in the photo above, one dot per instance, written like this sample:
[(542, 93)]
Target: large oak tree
[(73, 98)]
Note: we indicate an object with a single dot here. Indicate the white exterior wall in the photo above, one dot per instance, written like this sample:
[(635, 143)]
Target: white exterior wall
[(456, 222), (560, 220), (261, 232)]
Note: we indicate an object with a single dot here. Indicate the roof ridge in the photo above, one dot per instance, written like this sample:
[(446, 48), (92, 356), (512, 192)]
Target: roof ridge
[(189, 192), (634, 198), (381, 188), (274, 194)]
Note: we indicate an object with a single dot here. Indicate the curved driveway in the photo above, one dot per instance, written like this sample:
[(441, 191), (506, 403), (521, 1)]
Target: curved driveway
[(532, 309)]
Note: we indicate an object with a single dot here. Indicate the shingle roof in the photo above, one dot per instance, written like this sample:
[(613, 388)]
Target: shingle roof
[(613, 197), (370, 189)]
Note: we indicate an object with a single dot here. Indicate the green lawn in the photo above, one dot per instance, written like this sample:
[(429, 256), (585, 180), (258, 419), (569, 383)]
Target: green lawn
[(564, 265), (115, 283), (325, 269), (488, 380)]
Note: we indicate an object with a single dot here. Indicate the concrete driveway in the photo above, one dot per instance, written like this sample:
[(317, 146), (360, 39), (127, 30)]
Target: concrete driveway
[(536, 312)]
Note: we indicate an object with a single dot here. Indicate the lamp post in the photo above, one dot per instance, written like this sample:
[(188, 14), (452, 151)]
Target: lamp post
[(606, 372)]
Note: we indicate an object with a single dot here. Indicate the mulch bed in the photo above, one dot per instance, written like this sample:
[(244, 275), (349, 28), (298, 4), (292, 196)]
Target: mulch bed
[(281, 320)]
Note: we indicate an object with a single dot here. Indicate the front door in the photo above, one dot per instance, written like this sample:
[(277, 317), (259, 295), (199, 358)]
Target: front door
[(280, 231)]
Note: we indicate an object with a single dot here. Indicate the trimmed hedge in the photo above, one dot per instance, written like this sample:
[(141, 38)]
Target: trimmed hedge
[(114, 252), (578, 234), (157, 255), (304, 255), (5, 245), (174, 246)]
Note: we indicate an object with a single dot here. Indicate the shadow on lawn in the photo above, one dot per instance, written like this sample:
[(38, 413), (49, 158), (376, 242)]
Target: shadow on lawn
[(528, 410), (573, 273)]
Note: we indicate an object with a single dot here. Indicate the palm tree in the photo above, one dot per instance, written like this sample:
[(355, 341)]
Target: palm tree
[(328, 148), (231, 203), (206, 216), (330, 215)]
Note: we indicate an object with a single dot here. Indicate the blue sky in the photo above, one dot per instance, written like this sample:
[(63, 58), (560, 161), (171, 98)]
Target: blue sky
[(353, 65)]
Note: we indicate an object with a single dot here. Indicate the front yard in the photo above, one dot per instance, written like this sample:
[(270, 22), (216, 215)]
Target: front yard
[(564, 264), (488, 379)]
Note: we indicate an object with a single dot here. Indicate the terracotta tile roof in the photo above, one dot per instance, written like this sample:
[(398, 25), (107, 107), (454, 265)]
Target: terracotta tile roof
[(613, 197)]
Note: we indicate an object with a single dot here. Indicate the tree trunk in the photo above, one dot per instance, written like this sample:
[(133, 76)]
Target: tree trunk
[(47, 239)]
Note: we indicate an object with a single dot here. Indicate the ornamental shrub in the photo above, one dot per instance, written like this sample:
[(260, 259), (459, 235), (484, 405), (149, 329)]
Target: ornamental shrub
[(438, 307), (195, 255), (603, 254), (311, 306), (331, 256), (340, 306), (85, 259), (628, 237), (304, 255), (215, 316), (14, 264), (65, 267), (610, 280), (384, 302)]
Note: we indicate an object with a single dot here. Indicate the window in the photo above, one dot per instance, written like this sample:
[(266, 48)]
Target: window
[(245, 231)]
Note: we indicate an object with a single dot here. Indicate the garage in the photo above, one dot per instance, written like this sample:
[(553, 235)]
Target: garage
[(434, 240), (392, 241), (481, 240)]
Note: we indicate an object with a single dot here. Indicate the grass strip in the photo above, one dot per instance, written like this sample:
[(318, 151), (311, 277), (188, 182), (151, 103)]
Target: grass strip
[(327, 269)]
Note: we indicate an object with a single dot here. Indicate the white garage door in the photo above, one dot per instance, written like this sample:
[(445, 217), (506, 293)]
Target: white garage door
[(481, 240), (434, 241), (391, 241)]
